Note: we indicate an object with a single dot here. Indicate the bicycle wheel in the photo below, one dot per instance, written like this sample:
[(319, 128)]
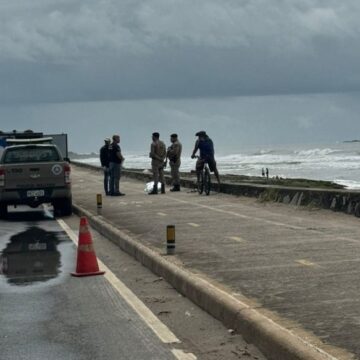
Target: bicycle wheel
[(207, 181), (200, 182)]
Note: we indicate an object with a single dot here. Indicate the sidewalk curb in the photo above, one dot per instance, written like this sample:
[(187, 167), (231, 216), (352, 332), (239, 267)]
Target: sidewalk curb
[(276, 342)]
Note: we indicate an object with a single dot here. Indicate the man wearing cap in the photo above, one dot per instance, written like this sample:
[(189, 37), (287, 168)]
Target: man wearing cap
[(157, 155), (115, 163), (105, 160), (174, 156), (207, 153)]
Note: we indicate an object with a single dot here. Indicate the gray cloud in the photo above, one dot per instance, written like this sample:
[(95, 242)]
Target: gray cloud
[(97, 50), (233, 123)]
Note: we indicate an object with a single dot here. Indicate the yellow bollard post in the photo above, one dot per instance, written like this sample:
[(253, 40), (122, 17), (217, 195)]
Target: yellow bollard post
[(99, 203), (170, 240)]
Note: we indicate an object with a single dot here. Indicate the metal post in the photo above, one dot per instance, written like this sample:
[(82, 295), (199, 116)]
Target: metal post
[(99, 203), (170, 240)]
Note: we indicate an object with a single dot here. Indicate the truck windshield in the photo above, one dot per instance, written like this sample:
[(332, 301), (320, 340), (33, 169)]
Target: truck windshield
[(31, 154)]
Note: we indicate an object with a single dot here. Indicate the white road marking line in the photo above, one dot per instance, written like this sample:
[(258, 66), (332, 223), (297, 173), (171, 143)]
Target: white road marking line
[(237, 238), (347, 239), (331, 262), (161, 330), (68, 230), (181, 355), (307, 263), (194, 225), (294, 227), (161, 214), (233, 213)]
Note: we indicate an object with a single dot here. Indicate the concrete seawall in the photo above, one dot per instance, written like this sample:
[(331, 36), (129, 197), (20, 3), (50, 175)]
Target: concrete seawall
[(345, 201)]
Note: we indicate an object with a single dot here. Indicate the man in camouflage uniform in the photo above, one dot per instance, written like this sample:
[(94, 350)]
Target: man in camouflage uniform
[(116, 160), (174, 156), (157, 155)]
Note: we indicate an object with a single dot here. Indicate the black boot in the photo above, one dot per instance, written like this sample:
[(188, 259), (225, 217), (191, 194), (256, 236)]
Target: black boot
[(162, 188), (154, 190)]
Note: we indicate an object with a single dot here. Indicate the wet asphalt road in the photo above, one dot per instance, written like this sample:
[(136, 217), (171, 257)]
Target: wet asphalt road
[(47, 314)]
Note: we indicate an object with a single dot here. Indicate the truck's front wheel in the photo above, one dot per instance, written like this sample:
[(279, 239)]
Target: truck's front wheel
[(63, 207), (3, 211)]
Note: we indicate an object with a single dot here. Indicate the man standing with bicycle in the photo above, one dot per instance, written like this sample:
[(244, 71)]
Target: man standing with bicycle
[(207, 154)]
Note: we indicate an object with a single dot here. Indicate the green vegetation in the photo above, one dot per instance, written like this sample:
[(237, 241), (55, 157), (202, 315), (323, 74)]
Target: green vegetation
[(299, 183), (304, 183)]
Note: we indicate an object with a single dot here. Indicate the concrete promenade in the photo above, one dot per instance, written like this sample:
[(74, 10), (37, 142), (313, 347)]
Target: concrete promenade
[(298, 267)]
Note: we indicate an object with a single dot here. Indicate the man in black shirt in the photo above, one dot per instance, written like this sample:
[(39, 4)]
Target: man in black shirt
[(105, 161), (116, 161)]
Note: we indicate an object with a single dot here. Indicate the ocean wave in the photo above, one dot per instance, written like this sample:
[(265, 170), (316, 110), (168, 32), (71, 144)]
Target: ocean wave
[(307, 153), (317, 163), (315, 152), (265, 152), (350, 184), (307, 156), (273, 152)]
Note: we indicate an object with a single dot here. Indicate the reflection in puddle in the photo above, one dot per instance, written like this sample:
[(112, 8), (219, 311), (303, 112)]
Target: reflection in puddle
[(31, 257)]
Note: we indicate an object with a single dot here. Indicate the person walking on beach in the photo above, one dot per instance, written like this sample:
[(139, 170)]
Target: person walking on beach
[(174, 156), (115, 163), (157, 155), (207, 154), (105, 161)]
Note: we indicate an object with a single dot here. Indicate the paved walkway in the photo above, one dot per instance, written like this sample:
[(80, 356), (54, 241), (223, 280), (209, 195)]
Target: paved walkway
[(301, 267)]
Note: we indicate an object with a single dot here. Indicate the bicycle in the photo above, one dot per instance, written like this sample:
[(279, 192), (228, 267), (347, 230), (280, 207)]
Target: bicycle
[(203, 179)]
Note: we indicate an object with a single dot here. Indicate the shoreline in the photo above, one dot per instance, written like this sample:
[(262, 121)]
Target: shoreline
[(324, 195), (276, 181), (239, 179), (324, 167)]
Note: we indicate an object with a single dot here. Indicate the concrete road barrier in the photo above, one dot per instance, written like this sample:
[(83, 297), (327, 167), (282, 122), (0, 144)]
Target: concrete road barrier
[(276, 342)]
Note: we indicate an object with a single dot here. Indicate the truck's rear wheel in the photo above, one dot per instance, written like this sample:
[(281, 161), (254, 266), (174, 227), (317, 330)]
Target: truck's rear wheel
[(3, 211), (63, 207)]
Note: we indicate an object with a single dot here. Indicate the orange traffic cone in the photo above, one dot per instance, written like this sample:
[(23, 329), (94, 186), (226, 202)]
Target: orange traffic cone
[(87, 264)]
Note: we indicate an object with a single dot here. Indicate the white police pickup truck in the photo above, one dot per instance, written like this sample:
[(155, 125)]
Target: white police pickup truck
[(33, 171)]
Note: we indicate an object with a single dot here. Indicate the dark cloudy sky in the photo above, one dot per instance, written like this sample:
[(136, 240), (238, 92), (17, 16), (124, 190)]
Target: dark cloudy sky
[(233, 123), (69, 51)]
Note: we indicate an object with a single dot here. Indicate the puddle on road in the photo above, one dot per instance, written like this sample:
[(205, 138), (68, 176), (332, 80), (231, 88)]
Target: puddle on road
[(31, 257)]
